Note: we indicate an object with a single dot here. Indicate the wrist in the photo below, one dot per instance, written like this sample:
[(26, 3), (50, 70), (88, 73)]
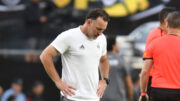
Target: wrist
[(58, 82), (106, 80), (143, 93)]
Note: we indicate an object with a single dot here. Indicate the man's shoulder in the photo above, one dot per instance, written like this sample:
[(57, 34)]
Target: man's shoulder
[(70, 32), (115, 57), (156, 41), (7, 93), (155, 32)]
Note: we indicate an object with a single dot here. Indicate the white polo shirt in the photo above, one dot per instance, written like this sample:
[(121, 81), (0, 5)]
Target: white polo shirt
[(80, 60)]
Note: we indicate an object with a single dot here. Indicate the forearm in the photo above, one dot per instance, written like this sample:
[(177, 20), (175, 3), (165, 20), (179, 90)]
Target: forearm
[(144, 74), (104, 68), (48, 64), (143, 81)]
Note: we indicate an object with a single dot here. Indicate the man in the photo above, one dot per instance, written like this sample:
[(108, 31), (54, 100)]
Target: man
[(119, 74), (164, 54), (15, 90), (82, 49), (34, 20), (37, 92), (157, 33), (1, 91)]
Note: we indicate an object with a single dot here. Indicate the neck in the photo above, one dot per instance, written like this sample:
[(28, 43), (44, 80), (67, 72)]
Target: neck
[(174, 31), (84, 29), (112, 52), (162, 27)]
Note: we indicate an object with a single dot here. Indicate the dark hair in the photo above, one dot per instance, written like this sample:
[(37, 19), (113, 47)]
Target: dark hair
[(111, 40), (97, 12), (173, 19), (37, 83), (18, 81), (164, 13)]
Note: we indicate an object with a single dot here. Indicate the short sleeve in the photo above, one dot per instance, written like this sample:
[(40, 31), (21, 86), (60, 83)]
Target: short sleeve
[(61, 43), (104, 48), (148, 54)]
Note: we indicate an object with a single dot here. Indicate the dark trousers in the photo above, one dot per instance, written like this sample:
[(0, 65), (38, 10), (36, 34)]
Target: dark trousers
[(149, 88), (160, 94), (65, 99)]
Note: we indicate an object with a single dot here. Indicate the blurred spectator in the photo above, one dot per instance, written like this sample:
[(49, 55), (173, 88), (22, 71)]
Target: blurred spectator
[(15, 90), (37, 92), (136, 89), (12, 98), (119, 75), (34, 20), (1, 92)]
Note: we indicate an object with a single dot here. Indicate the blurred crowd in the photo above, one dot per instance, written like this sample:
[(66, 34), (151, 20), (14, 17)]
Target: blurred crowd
[(15, 92), (121, 88)]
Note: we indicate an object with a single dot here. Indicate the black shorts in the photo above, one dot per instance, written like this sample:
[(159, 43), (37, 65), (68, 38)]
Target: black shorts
[(161, 94), (149, 87)]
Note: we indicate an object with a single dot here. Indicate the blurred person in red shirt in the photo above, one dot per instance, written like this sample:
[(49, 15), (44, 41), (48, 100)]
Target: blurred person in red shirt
[(157, 33), (37, 92), (164, 55)]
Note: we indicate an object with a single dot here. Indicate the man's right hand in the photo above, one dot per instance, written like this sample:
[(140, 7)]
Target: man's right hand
[(144, 98), (65, 88)]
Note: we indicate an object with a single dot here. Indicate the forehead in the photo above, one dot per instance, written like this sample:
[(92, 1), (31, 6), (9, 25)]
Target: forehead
[(100, 23)]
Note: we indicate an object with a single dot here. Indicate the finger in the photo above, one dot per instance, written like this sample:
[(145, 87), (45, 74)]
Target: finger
[(98, 92), (64, 93), (101, 94), (70, 92), (72, 87), (98, 88)]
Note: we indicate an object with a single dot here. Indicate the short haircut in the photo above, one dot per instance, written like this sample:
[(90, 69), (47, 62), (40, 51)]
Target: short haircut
[(164, 13), (111, 40), (173, 19), (37, 83), (18, 81), (97, 12)]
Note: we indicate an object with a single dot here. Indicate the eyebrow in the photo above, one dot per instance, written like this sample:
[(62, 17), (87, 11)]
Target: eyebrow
[(99, 28)]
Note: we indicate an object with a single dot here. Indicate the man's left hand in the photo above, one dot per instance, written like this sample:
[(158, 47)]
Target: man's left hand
[(101, 88)]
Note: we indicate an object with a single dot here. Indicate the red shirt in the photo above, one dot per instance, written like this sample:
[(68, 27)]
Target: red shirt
[(165, 52), (154, 34)]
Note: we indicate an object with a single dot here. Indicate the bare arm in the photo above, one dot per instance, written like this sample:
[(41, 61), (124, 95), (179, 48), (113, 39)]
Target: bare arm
[(144, 75), (129, 86), (104, 67), (47, 60), (104, 70)]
